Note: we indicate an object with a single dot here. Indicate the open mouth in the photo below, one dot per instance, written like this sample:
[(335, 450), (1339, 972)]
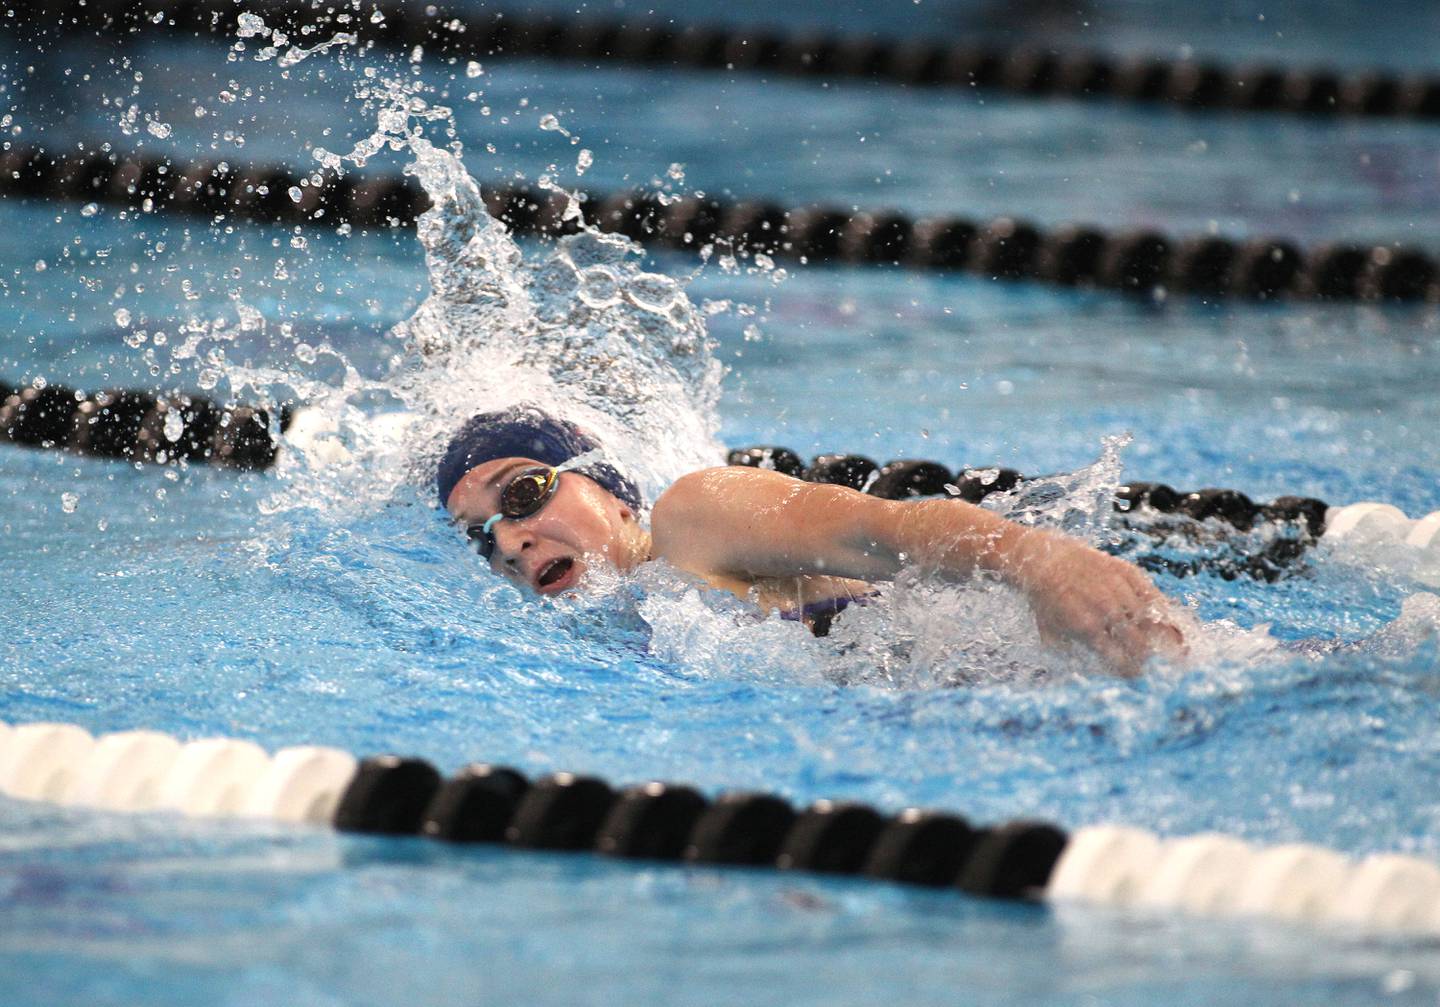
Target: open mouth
[(554, 572)]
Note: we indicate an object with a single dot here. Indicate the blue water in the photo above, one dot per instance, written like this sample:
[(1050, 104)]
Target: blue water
[(195, 606)]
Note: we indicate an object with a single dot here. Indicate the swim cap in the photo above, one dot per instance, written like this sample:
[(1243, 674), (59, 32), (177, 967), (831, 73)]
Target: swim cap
[(525, 432)]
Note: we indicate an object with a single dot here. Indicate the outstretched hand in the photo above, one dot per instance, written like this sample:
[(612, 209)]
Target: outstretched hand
[(1082, 596)]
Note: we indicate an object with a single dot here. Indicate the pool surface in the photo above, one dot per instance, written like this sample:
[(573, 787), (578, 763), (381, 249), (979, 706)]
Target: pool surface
[(334, 606)]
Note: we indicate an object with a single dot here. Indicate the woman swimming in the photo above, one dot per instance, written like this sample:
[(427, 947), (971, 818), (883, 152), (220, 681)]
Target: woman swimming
[(541, 509)]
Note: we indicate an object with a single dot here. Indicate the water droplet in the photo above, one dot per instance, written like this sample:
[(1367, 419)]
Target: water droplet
[(552, 125), (296, 194), (249, 25), (174, 425), (68, 502), (473, 69), (376, 17), (89, 209)]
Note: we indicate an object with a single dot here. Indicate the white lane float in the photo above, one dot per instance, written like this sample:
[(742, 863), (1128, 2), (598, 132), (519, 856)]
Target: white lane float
[(213, 776), (1371, 524), (1296, 882), (1197, 874), (302, 784), (38, 762), (1389, 892), (1104, 863), (1369, 521), (123, 772), (1425, 534)]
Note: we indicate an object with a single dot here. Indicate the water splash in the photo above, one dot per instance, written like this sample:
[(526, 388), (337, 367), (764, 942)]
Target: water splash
[(580, 329)]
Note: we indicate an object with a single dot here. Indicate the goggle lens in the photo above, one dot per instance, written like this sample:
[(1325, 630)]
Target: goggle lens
[(522, 496), (527, 493)]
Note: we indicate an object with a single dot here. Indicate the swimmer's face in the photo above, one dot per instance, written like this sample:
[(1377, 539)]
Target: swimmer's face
[(580, 526)]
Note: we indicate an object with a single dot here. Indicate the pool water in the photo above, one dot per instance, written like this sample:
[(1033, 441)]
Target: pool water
[(309, 606)]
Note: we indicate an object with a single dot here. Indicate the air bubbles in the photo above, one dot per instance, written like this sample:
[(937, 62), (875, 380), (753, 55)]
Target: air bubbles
[(89, 209), (583, 161), (296, 193), (305, 353), (122, 317), (599, 287), (158, 129), (473, 69), (653, 292), (174, 425), (68, 502), (208, 378)]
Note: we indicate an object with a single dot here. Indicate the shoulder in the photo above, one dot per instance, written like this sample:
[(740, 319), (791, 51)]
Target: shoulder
[(717, 490), (690, 499), (701, 510)]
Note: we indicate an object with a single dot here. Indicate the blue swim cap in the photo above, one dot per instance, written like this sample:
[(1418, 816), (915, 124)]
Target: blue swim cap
[(525, 432)]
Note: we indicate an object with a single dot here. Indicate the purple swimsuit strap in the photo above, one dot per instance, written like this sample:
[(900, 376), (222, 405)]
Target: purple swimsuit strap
[(826, 607)]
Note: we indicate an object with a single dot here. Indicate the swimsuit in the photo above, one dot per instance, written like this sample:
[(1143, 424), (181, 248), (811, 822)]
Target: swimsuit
[(818, 615)]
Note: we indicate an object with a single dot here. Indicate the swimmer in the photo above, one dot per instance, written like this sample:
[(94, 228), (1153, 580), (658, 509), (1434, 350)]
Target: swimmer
[(541, 515)]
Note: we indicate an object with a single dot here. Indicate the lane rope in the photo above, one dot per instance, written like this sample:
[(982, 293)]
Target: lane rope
[(137, 426), (1201, 875), (1023, 70), (1143, 262)]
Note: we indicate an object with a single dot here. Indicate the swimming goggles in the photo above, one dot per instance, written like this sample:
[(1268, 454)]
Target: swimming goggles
[(522, 497)]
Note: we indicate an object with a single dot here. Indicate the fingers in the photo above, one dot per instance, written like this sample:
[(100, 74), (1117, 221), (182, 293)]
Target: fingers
[(1113, 609), (1128, 632)]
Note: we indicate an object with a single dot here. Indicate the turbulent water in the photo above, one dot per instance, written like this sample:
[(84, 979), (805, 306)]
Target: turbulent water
[(580, 328)]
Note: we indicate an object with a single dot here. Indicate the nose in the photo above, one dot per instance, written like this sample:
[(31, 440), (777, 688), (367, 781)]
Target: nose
[(511, 540)]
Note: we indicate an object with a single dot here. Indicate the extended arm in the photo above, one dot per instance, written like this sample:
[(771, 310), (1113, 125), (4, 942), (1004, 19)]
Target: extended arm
[(751, 523)]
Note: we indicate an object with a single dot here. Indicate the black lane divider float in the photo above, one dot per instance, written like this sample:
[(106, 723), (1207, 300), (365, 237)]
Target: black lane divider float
[(392, 795), (1026, 70), (1145, 263), (137, 426)]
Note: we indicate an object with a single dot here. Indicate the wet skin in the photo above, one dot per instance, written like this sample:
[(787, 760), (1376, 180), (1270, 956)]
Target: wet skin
[(783, 542)]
